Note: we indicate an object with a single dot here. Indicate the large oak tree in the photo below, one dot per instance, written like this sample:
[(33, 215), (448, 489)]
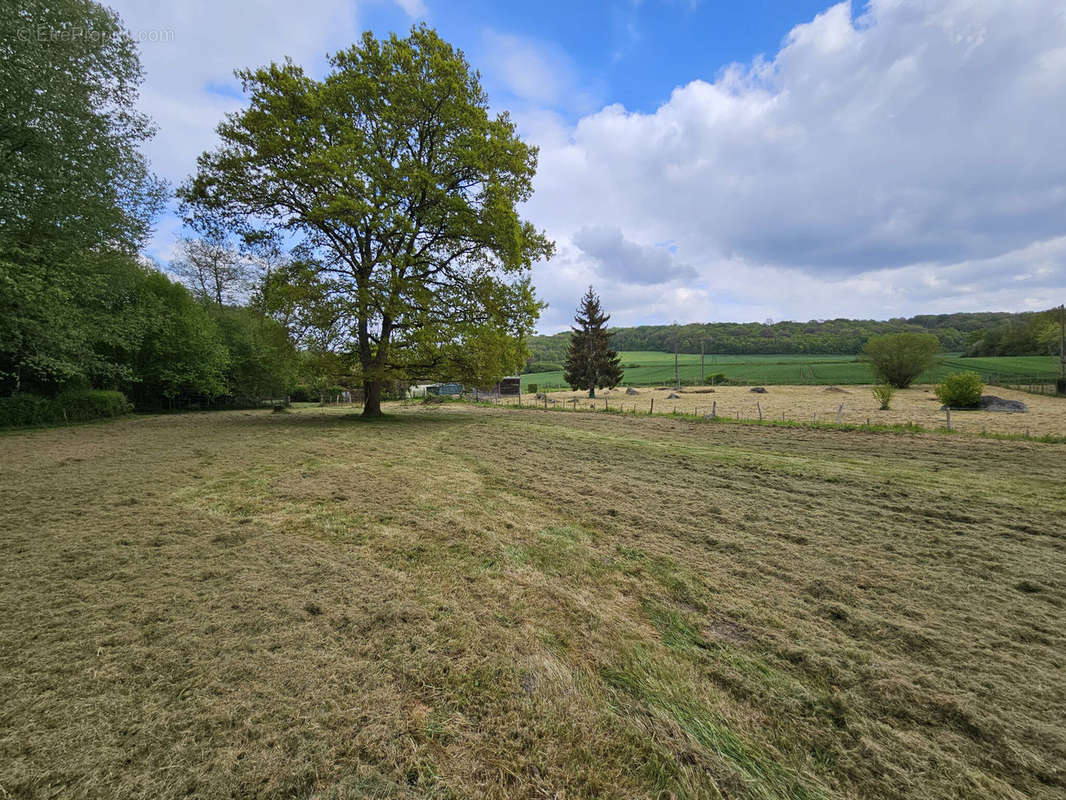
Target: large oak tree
[(397, 193)]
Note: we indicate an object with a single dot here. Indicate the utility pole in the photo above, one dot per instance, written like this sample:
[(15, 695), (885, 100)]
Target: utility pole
[(1061, 387), (677, 380), (703, 379)]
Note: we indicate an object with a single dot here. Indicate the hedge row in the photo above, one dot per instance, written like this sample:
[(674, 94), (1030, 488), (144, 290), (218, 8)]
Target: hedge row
[(81, 406)]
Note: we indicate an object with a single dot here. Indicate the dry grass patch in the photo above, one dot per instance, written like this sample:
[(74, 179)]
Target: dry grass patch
[(468, 602), (917, 405)]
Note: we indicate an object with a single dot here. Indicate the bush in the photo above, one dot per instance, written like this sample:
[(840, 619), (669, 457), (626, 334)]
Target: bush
[(883, 394), (1060, 386), (960, 390), (717, 378), (73, 406), (533, 388), (899, 358), (304, 393)]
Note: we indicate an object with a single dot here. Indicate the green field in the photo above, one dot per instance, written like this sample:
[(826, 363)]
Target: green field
[(645, 368), (469, 602)]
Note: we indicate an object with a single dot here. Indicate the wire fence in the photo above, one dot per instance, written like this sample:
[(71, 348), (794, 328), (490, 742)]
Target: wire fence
[(1034, 384), (837, 415)]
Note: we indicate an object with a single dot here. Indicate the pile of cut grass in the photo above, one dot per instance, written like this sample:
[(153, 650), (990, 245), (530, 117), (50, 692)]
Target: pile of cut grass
[(471, 602)]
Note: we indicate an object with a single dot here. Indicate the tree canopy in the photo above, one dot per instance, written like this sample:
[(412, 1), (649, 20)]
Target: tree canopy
[(399, 193), (899, 358), (71, 172)]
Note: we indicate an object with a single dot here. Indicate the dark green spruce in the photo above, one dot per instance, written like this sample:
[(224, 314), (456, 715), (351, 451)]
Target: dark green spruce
[(590, 362)]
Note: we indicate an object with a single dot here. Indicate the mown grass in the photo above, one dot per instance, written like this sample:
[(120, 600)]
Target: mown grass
[(643, 368), (459, 601), (633, 410)]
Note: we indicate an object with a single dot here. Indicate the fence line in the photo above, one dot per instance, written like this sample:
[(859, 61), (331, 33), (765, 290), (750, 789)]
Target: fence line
[(757, 415), (1034, 384)]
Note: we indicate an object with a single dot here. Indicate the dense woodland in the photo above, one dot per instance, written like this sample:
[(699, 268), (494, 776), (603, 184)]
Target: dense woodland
[(86, 322), (986, 333)]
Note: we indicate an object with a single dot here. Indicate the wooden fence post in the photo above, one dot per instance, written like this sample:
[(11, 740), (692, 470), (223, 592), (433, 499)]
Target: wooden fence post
[(840, 413), (758, 406), (714, 410), (949, 419), (651, 410)]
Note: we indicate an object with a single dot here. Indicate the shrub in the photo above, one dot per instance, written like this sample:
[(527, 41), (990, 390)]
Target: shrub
[(899, 358), (1060, 386), (717, 378), (533, 388), (72, 406), (883, 394), (960, 390)]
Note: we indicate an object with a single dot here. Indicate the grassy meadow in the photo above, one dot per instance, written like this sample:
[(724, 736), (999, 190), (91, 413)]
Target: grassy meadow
[(644, 368), (461, 601)]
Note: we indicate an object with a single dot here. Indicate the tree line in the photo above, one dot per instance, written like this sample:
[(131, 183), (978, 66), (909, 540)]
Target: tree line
[(80, 308), (1031, 334), (964, 332)]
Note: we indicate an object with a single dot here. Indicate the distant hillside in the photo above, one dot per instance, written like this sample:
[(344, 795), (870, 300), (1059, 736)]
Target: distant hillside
[(825, 337)]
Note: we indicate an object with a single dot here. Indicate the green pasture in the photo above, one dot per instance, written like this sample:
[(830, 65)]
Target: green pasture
[(645, 368)]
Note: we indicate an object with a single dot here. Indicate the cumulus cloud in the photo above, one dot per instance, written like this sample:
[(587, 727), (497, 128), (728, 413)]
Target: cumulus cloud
[(898, 157), (619, 259), (908, 157), (190, 50)]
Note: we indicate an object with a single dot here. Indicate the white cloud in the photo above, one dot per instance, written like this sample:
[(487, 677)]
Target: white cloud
[(619, 259), (904, 161), (413, 8), (532, 72), (189, 84)]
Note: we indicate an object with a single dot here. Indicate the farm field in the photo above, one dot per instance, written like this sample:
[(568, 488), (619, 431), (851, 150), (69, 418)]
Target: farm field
[(648, 368), (856, 405), (461, 601)]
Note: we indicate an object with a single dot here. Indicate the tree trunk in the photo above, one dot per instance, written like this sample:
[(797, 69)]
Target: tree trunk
[(592, 392), (372, 398)]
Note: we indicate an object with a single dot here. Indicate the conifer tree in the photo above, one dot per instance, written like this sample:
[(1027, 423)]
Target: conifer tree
[(590, 362)]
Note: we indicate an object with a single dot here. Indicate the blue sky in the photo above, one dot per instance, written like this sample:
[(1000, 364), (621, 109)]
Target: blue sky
[(633, 53), (705, 160)]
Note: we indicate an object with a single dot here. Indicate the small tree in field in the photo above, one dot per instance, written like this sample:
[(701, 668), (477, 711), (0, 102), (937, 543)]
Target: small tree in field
[(899, 358), (883, 395), (590, 361)]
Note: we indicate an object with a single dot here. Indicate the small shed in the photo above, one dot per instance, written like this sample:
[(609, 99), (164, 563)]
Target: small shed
[(418, 389), (511, 386), (445, 389)]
